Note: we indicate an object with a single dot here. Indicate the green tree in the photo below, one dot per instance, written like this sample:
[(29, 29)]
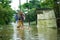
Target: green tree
[(47, 4), (32, 5), (57, 12), (6, 13), (5, 3)]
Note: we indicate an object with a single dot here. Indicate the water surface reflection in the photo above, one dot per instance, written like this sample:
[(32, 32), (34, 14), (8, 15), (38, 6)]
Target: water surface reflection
[(33, 33), (44, 33), (6, 32)]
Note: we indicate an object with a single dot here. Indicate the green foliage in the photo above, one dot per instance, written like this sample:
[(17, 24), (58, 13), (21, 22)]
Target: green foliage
[(6, 13), (5, 3), (47, 4), (32, 5)]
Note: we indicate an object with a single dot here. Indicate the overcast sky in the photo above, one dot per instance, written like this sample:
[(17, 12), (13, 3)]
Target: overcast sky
[(15, 4)]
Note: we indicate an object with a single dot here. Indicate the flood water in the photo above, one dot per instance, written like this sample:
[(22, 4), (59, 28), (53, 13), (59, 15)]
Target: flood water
[(29, 33)]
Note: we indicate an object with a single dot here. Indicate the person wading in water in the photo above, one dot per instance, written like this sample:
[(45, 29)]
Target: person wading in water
[(21, 20)]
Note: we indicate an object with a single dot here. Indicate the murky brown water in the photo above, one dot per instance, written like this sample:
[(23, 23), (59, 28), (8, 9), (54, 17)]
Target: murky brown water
[(31, 33), (6, 32)]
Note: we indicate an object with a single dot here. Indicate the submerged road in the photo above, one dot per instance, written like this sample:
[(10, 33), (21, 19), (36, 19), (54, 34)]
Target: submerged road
[(32, 33)]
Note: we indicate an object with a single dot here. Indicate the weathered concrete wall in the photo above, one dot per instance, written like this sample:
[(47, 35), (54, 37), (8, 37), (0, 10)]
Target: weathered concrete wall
[(47, 19)]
